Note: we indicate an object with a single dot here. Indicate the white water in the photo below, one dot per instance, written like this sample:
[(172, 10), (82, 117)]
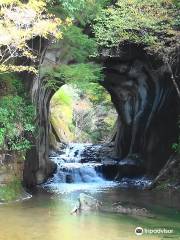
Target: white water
[(71, 170), (73, 175)]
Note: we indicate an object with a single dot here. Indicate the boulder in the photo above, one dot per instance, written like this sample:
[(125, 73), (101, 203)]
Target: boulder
[(86, 202)]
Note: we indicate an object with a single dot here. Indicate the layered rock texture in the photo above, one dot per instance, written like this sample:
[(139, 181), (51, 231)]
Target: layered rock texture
[(146, 101), (38, 167)]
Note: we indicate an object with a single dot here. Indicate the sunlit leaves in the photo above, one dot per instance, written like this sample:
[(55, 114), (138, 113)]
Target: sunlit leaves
[(16, 68), (144, 22), (80, 46), (21, 22), (79, 75)]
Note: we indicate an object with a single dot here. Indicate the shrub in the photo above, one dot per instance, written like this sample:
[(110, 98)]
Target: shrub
[(16, 118)]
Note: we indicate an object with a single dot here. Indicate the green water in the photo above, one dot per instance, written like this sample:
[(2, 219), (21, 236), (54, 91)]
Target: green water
[(46, 216)]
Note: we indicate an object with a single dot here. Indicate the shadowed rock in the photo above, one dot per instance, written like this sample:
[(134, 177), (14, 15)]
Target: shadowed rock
[(145, 99)]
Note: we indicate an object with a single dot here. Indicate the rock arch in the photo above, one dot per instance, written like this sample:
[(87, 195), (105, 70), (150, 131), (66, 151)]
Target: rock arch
[(143, 96)]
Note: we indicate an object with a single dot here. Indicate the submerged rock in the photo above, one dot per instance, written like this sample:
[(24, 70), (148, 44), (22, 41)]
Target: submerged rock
[(86, 203), (126, 208)]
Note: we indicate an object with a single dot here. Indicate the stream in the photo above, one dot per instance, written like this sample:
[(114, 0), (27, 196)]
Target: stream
[(47, 215)]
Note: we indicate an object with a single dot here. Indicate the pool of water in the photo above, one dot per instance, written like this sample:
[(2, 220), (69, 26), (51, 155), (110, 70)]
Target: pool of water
[(46, 216)]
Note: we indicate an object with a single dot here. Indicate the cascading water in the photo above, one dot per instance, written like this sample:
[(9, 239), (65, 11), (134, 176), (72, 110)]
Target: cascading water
[(75, 171), (80, 168), (72, 170)]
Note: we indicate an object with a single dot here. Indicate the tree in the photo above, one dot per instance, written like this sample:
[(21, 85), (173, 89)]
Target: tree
[(21, 22), (153, 24)]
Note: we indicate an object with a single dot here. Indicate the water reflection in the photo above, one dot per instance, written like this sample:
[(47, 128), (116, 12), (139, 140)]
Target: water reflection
[(47, 216)]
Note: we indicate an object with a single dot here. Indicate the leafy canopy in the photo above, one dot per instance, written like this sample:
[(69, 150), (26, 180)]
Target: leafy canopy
[(79, 45), (79, 75), (146, 22), (81, 11), (21, 22)]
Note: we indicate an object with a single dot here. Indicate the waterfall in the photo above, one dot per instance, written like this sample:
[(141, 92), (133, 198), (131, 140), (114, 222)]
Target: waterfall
[(79, 168), (71, 169)]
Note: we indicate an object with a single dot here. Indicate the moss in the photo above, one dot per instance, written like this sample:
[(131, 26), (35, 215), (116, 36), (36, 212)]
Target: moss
[(62, 114), (11, 191), (62, 129), (62, 96)]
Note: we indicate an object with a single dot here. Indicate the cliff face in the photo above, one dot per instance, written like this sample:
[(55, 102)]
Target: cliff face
[(146, 101), (38, 166)]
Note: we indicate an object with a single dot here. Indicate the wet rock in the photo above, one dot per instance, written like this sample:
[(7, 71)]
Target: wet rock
[(76, 153), (130, 168), (129, 209), (109, 168), (86, 203), (69, 179), (169, 176), (140, 182), (11, 166)]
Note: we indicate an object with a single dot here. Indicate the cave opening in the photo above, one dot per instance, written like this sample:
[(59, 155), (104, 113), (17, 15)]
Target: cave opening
[(82, 128), (137, 129), (82, 115), (132, 115)]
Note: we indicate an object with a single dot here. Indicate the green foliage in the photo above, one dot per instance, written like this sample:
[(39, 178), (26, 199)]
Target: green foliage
[(79, 75), (82, 11), (72, 6), (16, 114), (61, 113), (13, 83), (177, 3), (89, 11), (176, 146), (16, 118), (79, 46), (97, 94), (144, 22), (62, 96), (177, 15), (11, 191), (21, 22)]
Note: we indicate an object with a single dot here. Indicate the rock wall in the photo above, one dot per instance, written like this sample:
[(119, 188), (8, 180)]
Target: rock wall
[(11, 167), (38, 166), (146, 102)]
